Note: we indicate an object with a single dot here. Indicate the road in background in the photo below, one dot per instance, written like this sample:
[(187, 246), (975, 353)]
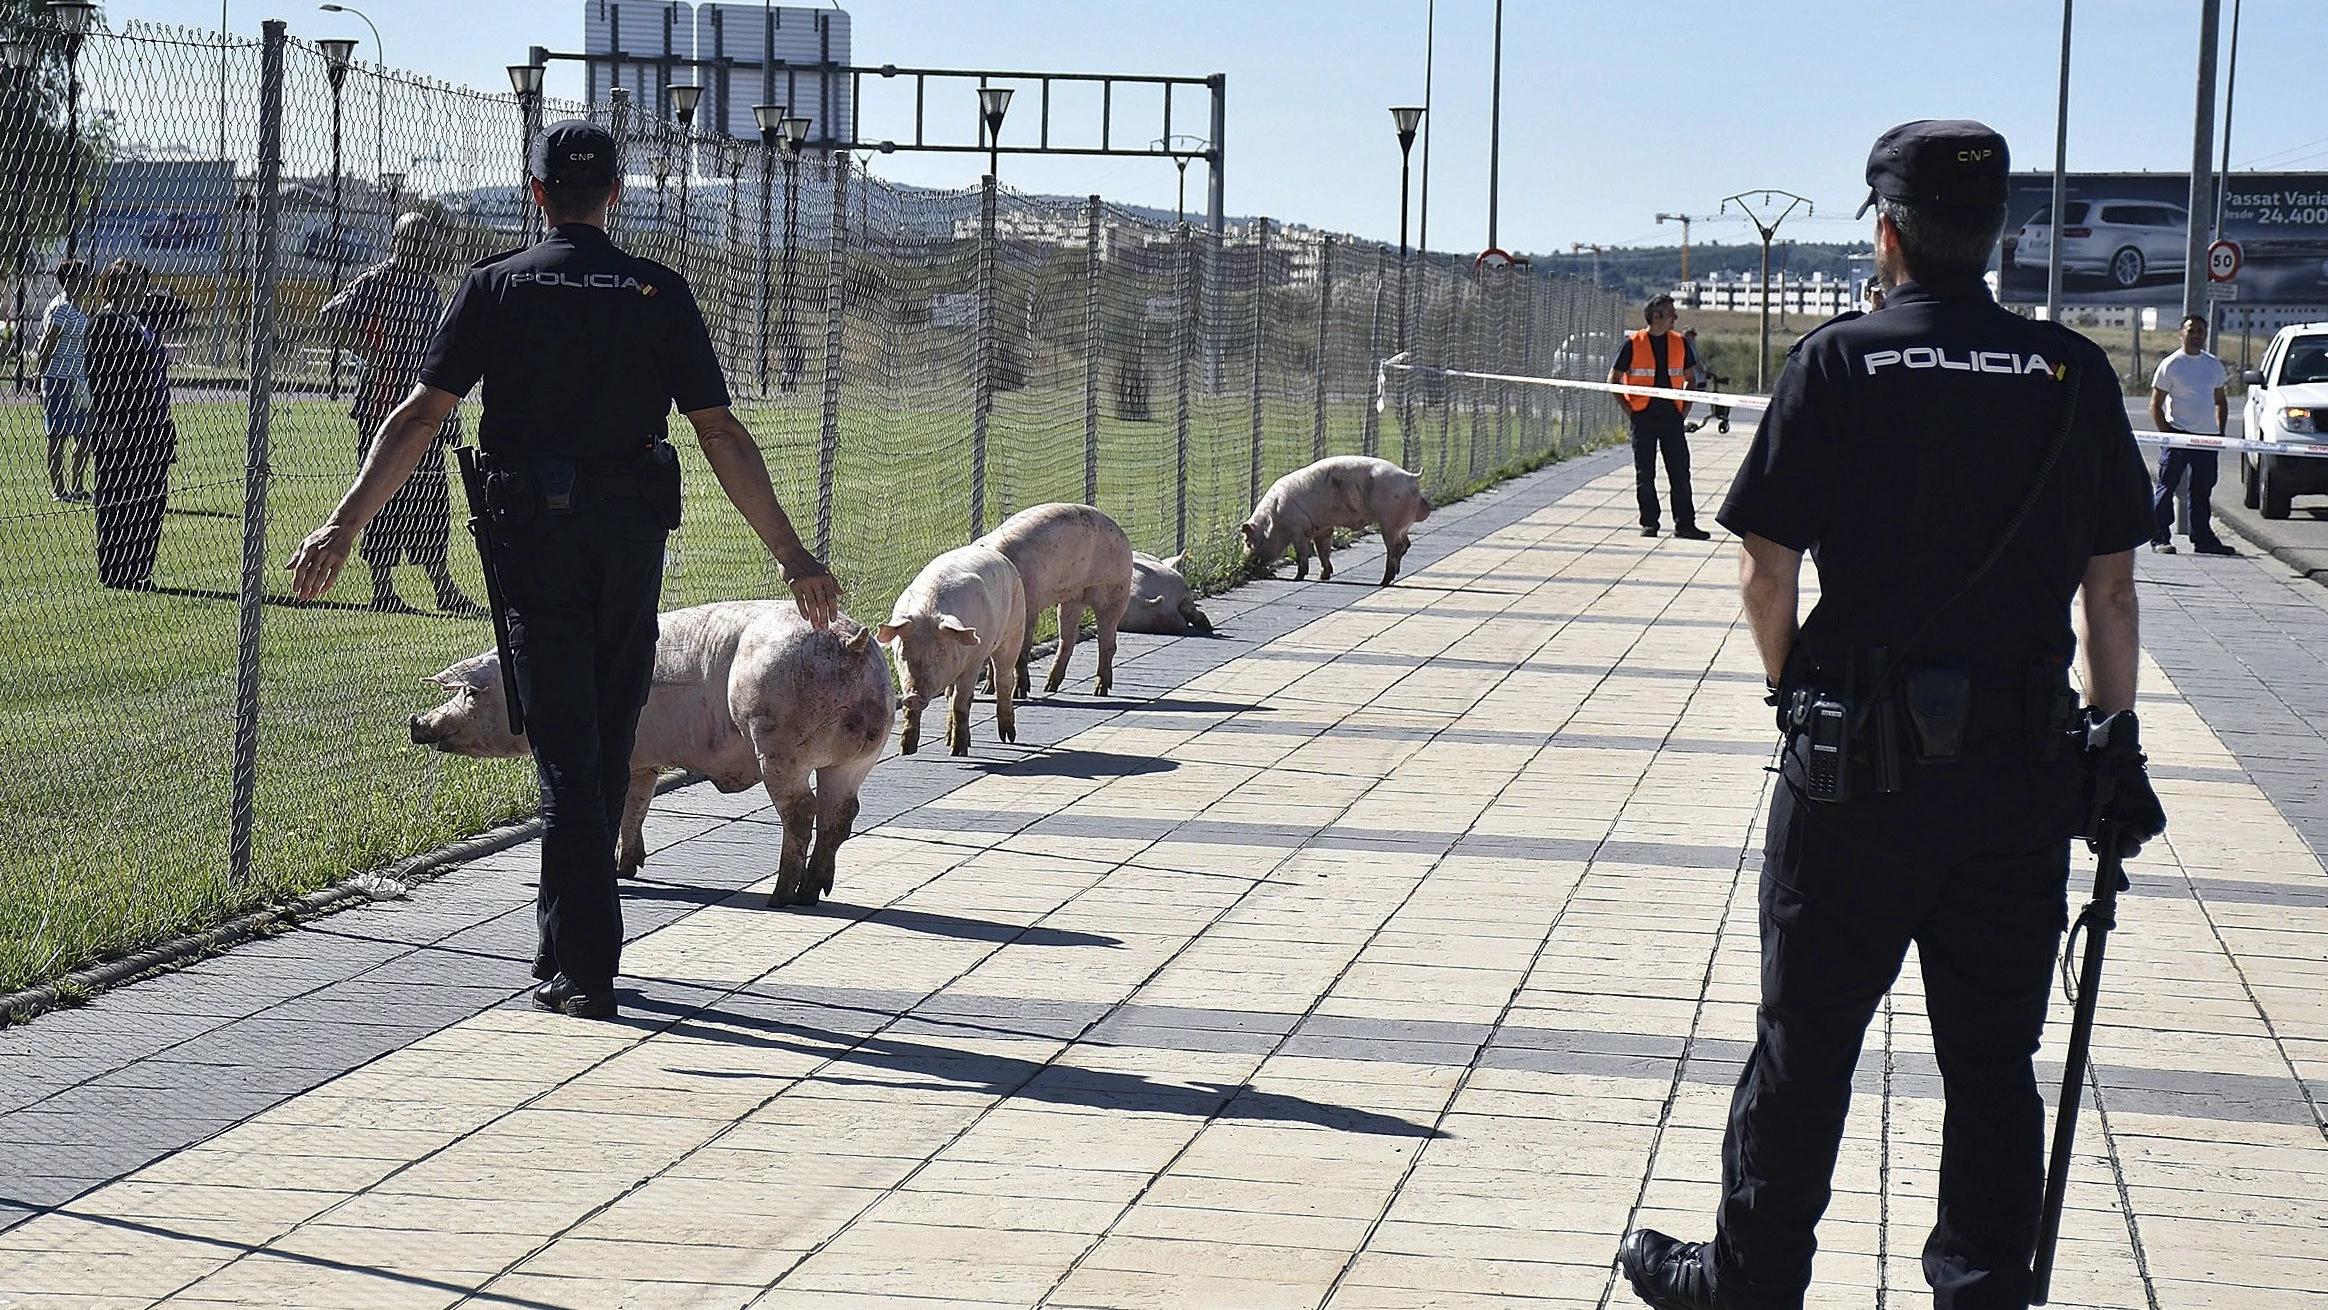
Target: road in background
[(2299, 541)]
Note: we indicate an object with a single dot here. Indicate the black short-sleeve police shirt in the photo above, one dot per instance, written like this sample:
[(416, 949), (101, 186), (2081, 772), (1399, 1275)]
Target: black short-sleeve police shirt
[(583, 348), (1896, 449)]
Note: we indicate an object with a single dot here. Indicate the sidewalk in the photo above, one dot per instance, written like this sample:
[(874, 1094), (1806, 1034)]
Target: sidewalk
[(1396, 951)]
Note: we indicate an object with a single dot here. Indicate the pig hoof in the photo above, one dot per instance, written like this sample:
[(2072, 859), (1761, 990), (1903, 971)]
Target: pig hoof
[(1052, 683)]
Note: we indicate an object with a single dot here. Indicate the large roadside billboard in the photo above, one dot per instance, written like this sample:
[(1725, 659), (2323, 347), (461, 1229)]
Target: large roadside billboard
[(2125, 237)]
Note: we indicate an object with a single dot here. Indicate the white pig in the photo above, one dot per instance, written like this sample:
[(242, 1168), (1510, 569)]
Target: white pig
[(1304, 507), (743, 692), (1161, 600), (965, 611), (1070, 556)]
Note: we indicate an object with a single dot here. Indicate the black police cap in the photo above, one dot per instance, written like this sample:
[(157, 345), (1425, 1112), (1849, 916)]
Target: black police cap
[(572, 150), (1950, 163)]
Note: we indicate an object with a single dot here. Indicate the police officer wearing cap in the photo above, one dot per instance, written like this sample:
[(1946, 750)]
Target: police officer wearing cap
[(1959, 474), (583, 350)]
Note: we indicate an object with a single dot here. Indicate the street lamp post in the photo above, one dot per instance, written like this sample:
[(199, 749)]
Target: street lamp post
[(17, 58), (336, 53), (794, 133), (380, 111), (771, 121), (525, 80), (993, 103), (683, 101), (393, 184), (661, 164), (73, 19), (1407, 118)]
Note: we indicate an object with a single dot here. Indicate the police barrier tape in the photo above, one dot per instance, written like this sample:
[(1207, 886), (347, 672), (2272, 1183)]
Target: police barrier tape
[(1732, 400)]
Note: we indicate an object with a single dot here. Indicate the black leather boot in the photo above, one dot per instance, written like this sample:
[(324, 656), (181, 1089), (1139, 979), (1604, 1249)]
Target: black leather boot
[(565, 996), (1665, 1273)]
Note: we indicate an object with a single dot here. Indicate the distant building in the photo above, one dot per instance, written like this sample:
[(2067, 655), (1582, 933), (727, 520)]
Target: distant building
[(642, 45), (1818, 295)]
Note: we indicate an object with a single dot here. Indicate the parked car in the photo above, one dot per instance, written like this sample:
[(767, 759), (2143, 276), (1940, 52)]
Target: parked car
[(2287, 404), (2121, 240)]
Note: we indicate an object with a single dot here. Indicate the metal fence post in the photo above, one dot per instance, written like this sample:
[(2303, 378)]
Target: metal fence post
[(982, 363), (1260, 298), (1188, 334), (1091, 354), (1325, 328), (1370, 440), (828, 440), (257, 458)]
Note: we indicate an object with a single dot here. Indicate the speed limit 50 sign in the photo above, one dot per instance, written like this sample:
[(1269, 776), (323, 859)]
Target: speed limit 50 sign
[(2222, 261)]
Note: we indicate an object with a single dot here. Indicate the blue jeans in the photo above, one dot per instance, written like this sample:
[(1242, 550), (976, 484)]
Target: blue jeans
[(2201, 464)]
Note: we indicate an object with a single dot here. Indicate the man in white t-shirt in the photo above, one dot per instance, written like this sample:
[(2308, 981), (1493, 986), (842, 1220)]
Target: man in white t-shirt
[(2186, 395)]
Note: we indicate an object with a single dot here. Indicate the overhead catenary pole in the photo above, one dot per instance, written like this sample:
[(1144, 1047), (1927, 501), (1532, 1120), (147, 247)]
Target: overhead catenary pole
[(2060, 178), (2223, 175), (1757, 207), (2202, 163)]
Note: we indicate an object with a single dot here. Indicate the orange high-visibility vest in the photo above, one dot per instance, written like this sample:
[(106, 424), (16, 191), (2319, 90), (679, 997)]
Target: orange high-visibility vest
[(1641, 369)]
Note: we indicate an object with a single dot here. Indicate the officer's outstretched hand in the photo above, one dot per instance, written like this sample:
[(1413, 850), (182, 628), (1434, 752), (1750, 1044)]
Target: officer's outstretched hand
[(318, 561), (2118, 784), (815, 590)]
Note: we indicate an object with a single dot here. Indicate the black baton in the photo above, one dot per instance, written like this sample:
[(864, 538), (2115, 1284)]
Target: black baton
[(2096, 920), (481, 528)]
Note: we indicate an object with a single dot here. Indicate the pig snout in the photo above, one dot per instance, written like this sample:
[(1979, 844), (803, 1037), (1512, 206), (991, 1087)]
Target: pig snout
[(917, 702), (420, 733)]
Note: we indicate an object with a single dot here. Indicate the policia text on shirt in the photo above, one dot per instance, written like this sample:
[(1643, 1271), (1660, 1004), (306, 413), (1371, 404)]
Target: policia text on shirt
[(583, 351), (1960, 474)]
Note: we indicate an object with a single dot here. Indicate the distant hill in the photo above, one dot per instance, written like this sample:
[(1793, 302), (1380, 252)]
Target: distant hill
[(1642, 270)]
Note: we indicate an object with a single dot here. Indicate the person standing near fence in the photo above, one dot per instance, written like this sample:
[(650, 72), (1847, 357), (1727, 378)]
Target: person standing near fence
[(61, 359), (386, 317), (136, 441), (583, 350), (1657, 356), (2186, 395)]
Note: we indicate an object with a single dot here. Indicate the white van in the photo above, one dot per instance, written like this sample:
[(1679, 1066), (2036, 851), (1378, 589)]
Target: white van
[(2287, 404)]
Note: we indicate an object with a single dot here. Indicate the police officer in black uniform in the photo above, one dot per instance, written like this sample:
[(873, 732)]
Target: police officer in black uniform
[(583, 350), (1959, 473)]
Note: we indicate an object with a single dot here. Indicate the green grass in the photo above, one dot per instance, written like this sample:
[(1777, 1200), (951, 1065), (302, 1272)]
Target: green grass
[(117, 712)]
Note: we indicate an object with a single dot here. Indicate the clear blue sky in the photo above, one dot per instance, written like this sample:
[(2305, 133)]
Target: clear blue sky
[(1607, 117)]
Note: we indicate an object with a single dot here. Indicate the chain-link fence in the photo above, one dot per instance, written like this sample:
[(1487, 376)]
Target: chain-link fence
[(181, 739)]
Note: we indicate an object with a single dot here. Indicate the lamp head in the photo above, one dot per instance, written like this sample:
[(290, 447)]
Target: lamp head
[(795, 131), (1408, 118), (393, 182), (73, 16), (993, 103), (18, 55), (526, 79), (336, 53), (771, 121), (683, 101)]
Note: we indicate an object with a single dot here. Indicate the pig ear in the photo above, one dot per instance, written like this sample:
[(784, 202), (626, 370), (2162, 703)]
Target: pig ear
[(953, 628), (1177, 561), (856, 642), (1248, 530), (887, 632), (1152, 602)]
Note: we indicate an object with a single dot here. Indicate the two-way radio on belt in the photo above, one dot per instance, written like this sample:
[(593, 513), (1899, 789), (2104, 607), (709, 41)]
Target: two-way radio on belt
[(1400, 363)]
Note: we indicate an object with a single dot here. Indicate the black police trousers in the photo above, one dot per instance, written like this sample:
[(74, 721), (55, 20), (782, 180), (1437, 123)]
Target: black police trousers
[(1969, 862), (1658, 428), (581, 590)]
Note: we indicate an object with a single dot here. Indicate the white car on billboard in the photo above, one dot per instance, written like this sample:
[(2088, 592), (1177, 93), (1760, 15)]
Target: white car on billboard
[(2124, 241), (2287, 404)]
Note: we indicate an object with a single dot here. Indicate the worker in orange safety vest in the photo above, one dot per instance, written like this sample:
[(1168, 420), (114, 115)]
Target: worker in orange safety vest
[(1657, 356)]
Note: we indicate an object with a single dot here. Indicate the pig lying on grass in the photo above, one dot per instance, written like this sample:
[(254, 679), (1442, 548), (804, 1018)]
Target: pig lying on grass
[(1304, 507), (1161, 600), (744, 692), (966, 611), (1071, 556)]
